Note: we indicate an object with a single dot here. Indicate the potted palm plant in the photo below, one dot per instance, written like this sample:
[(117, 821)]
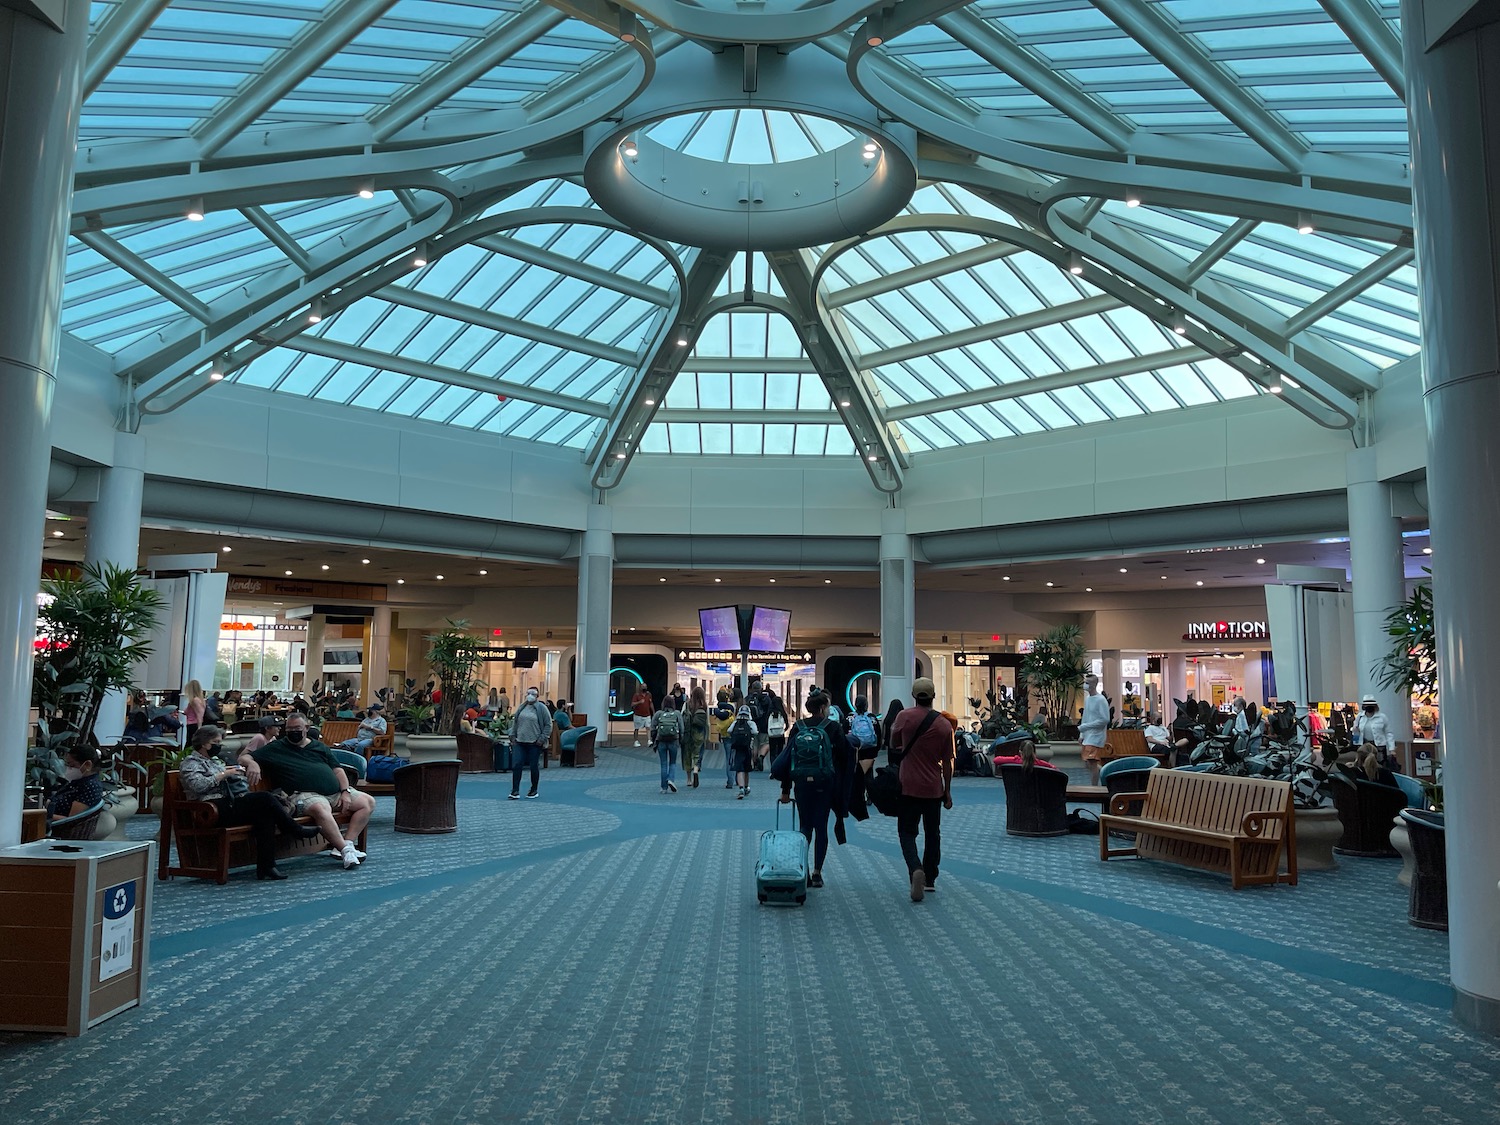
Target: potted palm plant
[(452, 656), (91, 632), (1054, 671)]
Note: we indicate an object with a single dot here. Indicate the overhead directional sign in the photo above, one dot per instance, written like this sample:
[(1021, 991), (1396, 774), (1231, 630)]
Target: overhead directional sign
[(695, 656), (511, 653), (987, 659)]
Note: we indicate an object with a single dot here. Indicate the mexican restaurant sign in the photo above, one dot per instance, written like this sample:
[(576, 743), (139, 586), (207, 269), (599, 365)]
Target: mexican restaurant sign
[(1227, 631)]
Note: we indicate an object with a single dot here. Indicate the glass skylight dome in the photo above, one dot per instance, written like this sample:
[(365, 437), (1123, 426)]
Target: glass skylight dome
[(1120, 209)]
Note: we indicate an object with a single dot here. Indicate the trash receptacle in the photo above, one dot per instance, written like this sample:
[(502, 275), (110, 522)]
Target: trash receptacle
[(76, 920)]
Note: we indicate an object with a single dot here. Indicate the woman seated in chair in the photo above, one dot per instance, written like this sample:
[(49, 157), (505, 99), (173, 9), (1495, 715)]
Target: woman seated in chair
[(206, 778), (82, 789), (1025, 755), (1367, 767)]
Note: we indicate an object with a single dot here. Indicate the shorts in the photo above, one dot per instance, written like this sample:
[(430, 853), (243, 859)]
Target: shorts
[(642, 722), (301, 802)]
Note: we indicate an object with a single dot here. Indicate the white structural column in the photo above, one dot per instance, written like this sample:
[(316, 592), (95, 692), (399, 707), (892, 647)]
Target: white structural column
[(1110, 683), (312, 654), (1378, 571), (114, 536), (1453, 109), (898, 610), (596, 579), (379, 670), (1175, 686), (40, 73)]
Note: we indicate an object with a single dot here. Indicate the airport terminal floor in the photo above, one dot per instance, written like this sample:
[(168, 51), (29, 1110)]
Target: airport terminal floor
[(597, 955)]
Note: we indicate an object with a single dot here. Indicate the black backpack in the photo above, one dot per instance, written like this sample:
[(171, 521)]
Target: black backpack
[(740, 737)]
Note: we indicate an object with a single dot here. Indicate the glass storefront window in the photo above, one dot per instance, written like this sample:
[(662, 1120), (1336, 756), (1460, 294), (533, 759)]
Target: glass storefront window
[(250, 658)]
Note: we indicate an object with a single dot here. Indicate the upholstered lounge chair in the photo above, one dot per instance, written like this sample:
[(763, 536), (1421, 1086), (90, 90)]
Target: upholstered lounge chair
[(1035, 801)]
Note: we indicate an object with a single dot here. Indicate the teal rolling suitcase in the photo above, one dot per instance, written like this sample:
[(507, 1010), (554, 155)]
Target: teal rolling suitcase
[(781, 870)]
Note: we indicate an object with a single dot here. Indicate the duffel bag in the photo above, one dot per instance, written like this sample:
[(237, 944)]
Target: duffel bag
[(883, 787), (382, 768)]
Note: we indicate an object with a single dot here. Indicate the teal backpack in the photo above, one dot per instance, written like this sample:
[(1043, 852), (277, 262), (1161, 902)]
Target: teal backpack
[(811, 754)]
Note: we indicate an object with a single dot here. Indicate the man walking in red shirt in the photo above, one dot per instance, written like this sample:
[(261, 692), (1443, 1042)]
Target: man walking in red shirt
[(925, 740)]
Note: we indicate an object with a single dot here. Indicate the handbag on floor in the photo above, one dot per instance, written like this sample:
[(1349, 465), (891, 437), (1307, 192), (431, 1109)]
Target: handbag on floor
[(382, 768)]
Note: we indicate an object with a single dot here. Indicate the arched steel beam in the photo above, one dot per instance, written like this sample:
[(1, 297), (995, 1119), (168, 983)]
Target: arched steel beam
[(1215, 333), (250, 337)]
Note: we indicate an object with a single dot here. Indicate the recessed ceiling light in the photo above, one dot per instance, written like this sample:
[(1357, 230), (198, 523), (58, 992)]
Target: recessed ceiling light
[(1123, 570), (1427, 550), (1005, 579), (226, 549), (288, 573), (1200, 581), (828, 581), (484, 572), (366, 562), (632, 628), (57, 535), (1049, 583), (772, 580), (439, 577), (1163, 577), (718, 579), (400, 582), (325, 566), (1088, 589), (1260, 562)]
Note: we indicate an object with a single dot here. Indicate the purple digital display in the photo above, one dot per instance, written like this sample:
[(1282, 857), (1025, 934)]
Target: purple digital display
[(769, 629), (721, 628)]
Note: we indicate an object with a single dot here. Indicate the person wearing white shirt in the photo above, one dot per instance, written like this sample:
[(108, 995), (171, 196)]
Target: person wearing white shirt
[(1158, 737), (1373, 728)]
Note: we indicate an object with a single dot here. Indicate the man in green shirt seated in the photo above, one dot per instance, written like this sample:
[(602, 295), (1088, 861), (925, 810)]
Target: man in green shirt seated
[(307, 769)]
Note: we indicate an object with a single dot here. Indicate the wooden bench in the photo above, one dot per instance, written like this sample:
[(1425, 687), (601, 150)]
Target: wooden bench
[(335, 731), (1237, 825), (1130, 742), (205, 850)]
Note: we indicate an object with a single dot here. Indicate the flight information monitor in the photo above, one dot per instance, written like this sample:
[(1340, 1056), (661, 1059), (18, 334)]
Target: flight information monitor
[(769, 629), (720, 626)]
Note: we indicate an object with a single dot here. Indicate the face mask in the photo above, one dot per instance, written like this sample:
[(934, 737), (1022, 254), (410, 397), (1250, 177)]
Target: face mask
[(296, 735), (531, 699), (73, 773)]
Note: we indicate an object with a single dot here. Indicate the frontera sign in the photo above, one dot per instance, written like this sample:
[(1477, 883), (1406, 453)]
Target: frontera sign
[(1227, 631)]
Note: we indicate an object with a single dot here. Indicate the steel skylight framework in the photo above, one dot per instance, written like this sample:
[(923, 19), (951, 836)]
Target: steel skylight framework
[(1125, 208)]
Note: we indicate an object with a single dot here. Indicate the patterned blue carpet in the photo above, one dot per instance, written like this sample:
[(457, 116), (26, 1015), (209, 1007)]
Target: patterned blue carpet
[(597, 955)]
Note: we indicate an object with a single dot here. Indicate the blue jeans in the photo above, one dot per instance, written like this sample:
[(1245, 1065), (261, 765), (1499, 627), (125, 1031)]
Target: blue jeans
[(357, 745), (666, 754), (521, 756)]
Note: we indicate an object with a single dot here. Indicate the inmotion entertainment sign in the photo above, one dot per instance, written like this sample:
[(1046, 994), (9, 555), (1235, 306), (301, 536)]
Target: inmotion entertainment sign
[(1227, 631)]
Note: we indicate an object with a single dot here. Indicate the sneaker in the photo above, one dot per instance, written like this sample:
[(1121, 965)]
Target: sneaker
[(815, 879), (515, 796), (664, 791), (729, 785), (742, 794), (351, 857), (533, 795), (695, 779), (932, 888), (672, 787), (918, 885)]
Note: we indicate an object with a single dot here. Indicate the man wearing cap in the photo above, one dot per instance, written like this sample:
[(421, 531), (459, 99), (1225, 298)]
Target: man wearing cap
[(371, 727), (924, 739), (742, 735), (1372, 728)]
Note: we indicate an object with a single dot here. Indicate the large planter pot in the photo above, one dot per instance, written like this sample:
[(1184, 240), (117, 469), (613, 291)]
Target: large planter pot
[(1318, 830), (1401, 841), (111, 823), (431, 748), (1063, 755)]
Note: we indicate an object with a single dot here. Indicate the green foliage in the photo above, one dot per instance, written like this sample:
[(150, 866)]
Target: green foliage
[(1410, 666), (96, 628), (1054, 670), (418, 718), (451, 655), (998, 716), (171, 758)]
